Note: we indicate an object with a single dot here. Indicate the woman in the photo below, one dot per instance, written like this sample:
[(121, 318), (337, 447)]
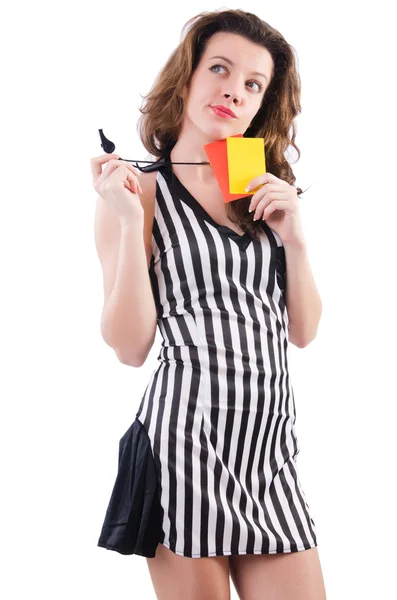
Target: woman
[(208, 467)]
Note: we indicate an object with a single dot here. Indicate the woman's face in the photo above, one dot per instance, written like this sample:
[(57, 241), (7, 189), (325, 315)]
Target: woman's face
[(234, 73)]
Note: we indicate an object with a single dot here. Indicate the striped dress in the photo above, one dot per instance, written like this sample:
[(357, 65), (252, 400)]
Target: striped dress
[(210, 461)]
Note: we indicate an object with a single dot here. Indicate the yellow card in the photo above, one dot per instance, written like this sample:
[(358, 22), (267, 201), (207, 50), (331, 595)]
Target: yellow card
[(246, 160)]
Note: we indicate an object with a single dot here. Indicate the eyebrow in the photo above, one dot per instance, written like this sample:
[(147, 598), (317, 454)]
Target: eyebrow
[(232, 63)]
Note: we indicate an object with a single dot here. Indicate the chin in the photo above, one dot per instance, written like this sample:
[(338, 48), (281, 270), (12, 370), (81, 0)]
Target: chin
[(219, 133)]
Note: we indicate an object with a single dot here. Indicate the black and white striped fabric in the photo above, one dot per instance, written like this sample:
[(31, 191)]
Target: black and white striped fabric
[(219, 409)]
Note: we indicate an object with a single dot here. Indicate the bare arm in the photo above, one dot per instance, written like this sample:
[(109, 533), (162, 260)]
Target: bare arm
[(303, 301), (129, 316)]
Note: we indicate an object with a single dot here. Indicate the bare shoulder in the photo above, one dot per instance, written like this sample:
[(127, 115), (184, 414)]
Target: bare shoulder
[(147, 198)]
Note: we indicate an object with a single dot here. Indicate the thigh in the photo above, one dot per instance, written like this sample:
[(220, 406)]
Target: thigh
[(289, 576), (177, 577)]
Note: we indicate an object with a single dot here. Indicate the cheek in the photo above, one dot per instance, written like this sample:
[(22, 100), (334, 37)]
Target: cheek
[(197, 104), (257, 107)]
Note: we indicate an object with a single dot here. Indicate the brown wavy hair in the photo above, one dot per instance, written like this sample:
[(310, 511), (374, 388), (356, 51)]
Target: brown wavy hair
[(163, 109)]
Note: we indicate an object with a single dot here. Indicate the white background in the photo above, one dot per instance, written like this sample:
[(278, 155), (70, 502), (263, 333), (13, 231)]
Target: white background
[(69, 69)]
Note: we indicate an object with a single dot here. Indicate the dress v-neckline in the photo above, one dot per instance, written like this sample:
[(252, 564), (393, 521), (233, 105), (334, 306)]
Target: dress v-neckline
[(242, 240)]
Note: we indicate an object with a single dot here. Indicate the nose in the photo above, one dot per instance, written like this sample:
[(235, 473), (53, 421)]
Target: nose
[(233, 88), (236, 97)]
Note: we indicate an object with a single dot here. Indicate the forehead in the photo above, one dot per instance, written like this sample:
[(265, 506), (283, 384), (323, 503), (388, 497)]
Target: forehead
[(238, 49)]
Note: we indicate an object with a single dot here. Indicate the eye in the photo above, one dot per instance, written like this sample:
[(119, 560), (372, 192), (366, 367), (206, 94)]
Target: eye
[(215, 66), (259, 89), (258, 84)]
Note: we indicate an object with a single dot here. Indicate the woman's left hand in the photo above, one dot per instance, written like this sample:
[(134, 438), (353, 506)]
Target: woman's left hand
[(277, 203)]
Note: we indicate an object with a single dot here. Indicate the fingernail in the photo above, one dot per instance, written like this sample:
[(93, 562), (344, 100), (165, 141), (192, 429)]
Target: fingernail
[(247, 189), (250, 209)]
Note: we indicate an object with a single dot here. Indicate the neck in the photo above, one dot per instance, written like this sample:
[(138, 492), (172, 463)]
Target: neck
[(190, 148), (185, 151)]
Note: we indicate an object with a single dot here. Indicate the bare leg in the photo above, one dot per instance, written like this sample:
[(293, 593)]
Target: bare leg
[(177, 577), (289, 576)]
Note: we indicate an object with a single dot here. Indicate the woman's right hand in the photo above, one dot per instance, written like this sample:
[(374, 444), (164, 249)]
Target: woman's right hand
[(118, 184)]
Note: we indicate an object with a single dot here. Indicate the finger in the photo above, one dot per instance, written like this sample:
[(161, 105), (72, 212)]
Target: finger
[(262, 198), (116, 163), (134, 184), (97, 162), (260, 180), (264, 189), (128, 163), (113, 165), (109, 158), (275, 205), (129, 179)]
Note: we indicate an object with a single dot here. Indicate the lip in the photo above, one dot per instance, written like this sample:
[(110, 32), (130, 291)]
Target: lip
[(223, 111)]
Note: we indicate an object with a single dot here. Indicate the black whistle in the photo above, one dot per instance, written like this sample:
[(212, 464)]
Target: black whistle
[(153, 165)]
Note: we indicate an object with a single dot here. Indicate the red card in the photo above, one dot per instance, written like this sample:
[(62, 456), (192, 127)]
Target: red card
[(217, 155)]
